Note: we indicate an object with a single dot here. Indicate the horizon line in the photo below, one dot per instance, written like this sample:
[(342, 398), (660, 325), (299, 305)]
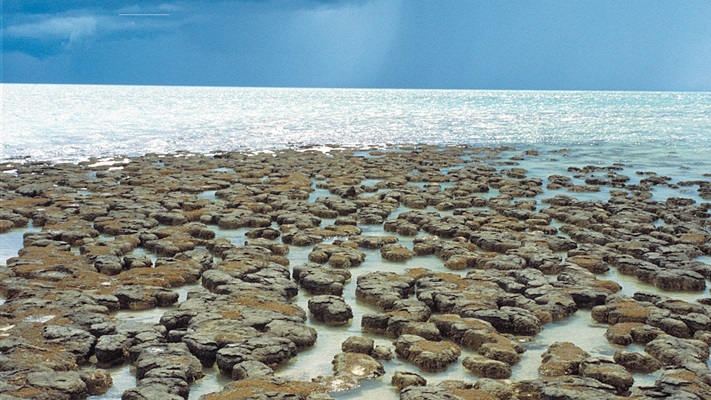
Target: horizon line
[(368, 88)]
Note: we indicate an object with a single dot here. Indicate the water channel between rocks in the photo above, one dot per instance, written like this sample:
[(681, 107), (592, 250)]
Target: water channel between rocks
[(579, 328)]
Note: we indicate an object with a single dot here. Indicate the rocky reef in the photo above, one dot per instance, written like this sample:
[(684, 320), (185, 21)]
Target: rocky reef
[(441, 259)]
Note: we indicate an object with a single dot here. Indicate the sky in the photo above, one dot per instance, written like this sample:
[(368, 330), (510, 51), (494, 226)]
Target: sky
[(441, 44)]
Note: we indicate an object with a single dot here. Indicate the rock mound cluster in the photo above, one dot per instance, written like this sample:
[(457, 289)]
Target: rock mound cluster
[(514, 254)]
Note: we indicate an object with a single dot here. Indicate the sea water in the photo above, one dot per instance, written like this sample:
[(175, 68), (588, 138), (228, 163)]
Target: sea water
[(74, 122), (669, 133)]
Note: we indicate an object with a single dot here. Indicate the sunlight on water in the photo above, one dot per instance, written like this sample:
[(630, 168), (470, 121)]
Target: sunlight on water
[(205, 119), (11, 242)]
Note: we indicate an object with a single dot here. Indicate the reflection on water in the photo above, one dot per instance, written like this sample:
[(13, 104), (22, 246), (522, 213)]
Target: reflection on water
[(11, 242)]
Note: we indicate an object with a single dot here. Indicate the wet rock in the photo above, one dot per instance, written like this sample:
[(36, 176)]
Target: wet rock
[(401, 227), (264, 233), (636, 362), (402, 380), (426, 392), (170, 218), (623, 309), (373, 242), (133, 261), (337, 256), (565, 387), (671, 351), (97, 381), (302, 335), (358, 344), (272, 388), (669, 325), (277, 249), (108, 265), (382, 353), (112, 349), (61, 384), (562, 358), (170, 246), (426, 330), (654, 241), (6, 225), (680, 383), (704, 336), (426, 354), (607, 372), (484, 389), (645, 333), (251, 369), (499, 242), (487, 368), (592, 263), (243, 219), (621, 333), (267, 350), (513, 320), (375, 287), (480, 336), (177, 319), (266, 276), (679, 280), (396, 253), (319, 280), (168, 361), (152, 389), (135, 297), (332, 310), (301, 221), (76, 341), (399, 314)]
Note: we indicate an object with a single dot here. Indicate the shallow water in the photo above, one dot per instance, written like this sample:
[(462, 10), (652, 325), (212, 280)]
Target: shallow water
[(124, 377), (11, 242)]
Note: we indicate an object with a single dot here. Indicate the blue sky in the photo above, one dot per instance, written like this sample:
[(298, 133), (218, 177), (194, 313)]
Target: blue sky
[(448, 44)]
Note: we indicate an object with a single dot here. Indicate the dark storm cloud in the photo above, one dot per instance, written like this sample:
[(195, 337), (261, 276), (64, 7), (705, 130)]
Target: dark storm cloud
[(549, 44)]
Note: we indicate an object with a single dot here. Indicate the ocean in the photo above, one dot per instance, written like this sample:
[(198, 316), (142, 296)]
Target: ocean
[(76, 122)]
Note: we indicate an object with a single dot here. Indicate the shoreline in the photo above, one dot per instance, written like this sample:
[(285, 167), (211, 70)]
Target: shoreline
[(332, 242)]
